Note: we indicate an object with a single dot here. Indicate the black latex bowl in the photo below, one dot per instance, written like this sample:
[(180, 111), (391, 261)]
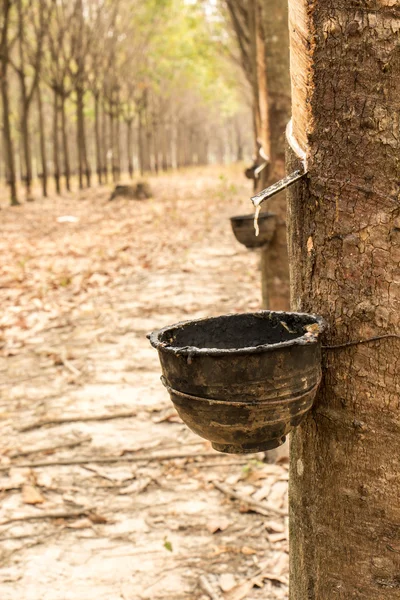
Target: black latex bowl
[(242, 381), (243, 229)]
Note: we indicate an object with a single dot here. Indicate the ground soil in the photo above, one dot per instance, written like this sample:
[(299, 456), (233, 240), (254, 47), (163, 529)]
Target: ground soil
[(147, 512)]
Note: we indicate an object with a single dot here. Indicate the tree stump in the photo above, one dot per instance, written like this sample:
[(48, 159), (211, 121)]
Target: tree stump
[(138, 191)]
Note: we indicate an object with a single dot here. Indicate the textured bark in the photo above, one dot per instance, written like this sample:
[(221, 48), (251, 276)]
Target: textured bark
[(83, 162), (99, 169), (79, 135), (105, 141), (118, 142), (42, 139), (345, 257), (129, 146), (26, 148), (64, 130), (140, 143), (112, 145), (56, 145), (7, 136), (274, 261), (165, 141), (156, 145), (262, 33), (8, 142), (260, 85)]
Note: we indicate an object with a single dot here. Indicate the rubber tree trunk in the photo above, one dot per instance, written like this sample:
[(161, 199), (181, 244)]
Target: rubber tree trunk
[(129, 146), (83, 163), (140, 143), (64, 129), (26, 144), (345, 257), (274, 257), (156, 145), (118, 143), (56, 145), (260, 85), (8, 141), (112, 145), (105, 141), (98, 140), (42, 141), (148, 167)]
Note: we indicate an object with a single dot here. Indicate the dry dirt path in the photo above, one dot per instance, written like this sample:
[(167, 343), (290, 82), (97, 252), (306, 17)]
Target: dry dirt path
[(146, 512)]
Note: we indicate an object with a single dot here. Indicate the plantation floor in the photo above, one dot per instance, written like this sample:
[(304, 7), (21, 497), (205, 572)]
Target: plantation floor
[(147, 512)]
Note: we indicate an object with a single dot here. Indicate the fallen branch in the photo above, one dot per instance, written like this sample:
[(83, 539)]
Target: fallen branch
[(223, 463), (69, 444), (71, 367), (106, 460), (49, 515), (37, 542), (78, 419), (208, 588), (19, 380), (258, 507)]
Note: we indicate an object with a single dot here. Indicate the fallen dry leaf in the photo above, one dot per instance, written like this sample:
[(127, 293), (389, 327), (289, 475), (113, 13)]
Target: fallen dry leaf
[(97, 519), (240, 591), (274, 527), (263, 492), (80, 524), (248, 551), (137, 487), (218, 525), (277, 537), (31, 495), (227, 582)]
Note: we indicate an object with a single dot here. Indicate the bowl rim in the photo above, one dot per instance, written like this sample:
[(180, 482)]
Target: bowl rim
[(250, 217), (304, 340)]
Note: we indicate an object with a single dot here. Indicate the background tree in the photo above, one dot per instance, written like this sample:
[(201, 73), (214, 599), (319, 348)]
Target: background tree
[(6, 43), (118, 86), (32, 22), (261, 32)]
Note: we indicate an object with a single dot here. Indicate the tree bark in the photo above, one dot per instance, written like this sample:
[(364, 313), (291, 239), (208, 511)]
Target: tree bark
[(105, 141), (260, 86), (129, 146), (8, 142), (112, 145), (140, 143), (42, 139), (345, 256), (274, 261), (26, 146), (99, 169), (25, 105), (118, 142), (56, 147), (67, 166), (83, 163), (79, 141), (7, 136)]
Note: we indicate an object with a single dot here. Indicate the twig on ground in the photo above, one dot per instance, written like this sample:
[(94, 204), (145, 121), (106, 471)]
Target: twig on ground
[(49, 515), (66, 444), (259, 507), (223, 463), (106, 460), (206, 587), (37, 542), (70, 366), (77, 419), (19, 380)]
